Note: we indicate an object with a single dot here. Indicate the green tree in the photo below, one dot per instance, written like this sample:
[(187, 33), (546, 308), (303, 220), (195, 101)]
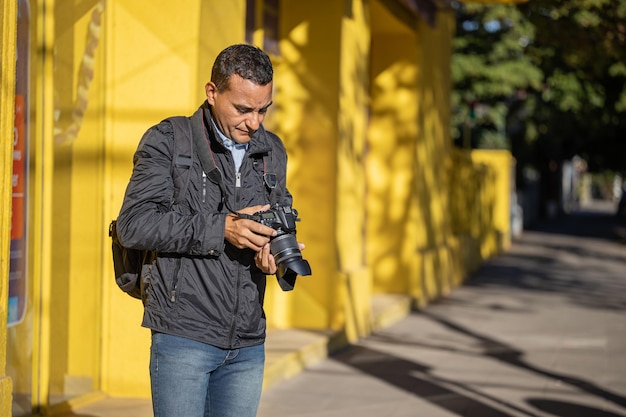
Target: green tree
[(544, 78), (490, 71), (580, 47)]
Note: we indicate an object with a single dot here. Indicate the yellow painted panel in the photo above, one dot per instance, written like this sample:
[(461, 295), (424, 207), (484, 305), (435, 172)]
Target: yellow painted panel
[(352, 124), (157, 62), (8, 31), (433, 151), (392, 216), (356, 295), (305, 116), (77, 204), (501, 163), (409, 160), (351, 176)]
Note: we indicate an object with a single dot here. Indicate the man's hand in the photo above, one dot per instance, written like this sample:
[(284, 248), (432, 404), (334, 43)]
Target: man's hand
[(244, 233), (264, 260)]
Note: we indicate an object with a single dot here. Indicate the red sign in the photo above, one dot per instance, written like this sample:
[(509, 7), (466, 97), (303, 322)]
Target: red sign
[(19, 170)]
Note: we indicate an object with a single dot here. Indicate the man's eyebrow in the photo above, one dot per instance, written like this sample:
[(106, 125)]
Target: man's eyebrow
[(244, 108)]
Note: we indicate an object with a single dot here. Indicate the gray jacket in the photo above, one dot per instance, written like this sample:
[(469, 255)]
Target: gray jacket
[(199, 286)]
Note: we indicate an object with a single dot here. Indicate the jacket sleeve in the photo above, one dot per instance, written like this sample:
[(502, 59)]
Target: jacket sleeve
[(146, 221)]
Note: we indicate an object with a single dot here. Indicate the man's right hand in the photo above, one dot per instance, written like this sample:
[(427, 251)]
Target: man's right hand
[(244, 233)]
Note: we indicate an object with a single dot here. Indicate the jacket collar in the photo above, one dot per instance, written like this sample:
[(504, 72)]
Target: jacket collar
[(258, 144)]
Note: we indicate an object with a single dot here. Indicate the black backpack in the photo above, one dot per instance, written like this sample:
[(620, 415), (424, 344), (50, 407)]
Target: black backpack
[(128, 263)]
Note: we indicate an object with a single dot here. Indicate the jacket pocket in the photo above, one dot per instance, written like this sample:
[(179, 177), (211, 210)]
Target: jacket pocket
[(166, 286), (174, 282)]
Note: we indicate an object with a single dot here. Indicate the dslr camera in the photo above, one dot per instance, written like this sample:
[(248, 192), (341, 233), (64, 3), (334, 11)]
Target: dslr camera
[(284, 246)]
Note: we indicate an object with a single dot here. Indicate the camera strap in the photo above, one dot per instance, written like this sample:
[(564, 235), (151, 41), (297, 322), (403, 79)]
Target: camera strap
[(269, 177), (207, 159)]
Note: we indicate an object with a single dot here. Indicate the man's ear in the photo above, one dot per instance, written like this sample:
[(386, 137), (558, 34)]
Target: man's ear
[(211, 90)]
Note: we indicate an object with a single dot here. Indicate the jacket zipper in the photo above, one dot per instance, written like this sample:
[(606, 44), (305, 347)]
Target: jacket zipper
[(175, 277), (238, 280), (203, 187), (175, 280)]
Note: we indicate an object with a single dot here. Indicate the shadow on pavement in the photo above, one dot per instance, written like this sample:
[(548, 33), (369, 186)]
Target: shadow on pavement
[(548, 260), (513, 357), (597, 220), (72, 414), (416, 379), (459, 398), (564, 409), (577, 255)]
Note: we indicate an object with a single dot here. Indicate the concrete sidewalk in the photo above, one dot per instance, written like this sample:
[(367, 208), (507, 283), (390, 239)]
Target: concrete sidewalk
[(539, 331)]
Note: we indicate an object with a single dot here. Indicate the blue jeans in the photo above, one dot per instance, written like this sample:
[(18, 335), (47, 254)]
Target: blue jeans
[(193, 379)]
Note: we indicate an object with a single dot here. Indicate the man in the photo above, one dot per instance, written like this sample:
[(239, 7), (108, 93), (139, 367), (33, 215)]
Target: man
[(203, 295)]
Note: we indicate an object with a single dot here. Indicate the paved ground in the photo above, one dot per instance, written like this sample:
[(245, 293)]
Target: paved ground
[(539, 331)]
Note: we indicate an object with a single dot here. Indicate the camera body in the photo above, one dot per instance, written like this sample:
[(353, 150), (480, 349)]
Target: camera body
[(284, 246), (280, 218)]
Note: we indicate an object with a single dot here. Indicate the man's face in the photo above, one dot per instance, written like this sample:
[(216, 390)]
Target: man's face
[(239, 110)]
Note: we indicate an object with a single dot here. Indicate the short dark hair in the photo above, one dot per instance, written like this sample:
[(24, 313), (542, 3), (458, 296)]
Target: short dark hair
[(247, 61)]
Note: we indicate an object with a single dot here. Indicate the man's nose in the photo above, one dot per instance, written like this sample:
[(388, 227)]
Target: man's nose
[(254, 120)]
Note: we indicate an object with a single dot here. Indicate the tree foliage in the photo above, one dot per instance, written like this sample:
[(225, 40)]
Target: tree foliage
[(546, 79)]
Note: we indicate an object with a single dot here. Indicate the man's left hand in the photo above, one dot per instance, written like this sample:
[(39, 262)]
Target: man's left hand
[(264, 260)]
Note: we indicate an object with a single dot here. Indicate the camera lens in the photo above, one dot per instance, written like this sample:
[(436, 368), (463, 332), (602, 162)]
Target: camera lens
[(288, 260)]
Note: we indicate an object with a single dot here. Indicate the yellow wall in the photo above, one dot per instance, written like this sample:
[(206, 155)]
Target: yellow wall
[(393, 137), (408, 161), (494, 205), (8, 19), (305, 116), (75, 297), (322, 97), (362, 103), (144, 85), (352, 286), (433, 161)]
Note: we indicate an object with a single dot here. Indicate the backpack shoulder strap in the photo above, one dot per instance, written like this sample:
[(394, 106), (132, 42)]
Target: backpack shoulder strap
[(269, 176), (182, 160)]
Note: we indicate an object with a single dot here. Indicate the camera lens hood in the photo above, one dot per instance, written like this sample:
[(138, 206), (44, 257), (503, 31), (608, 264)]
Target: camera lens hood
[(289, 270)]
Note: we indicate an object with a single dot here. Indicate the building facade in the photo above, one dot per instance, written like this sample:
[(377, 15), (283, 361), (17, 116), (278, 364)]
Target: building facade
[(362, 88)]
